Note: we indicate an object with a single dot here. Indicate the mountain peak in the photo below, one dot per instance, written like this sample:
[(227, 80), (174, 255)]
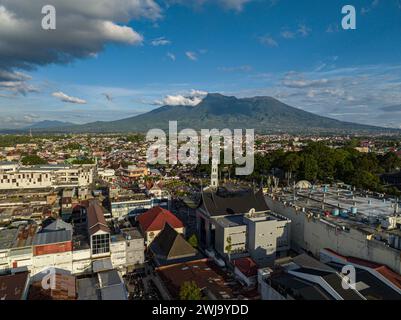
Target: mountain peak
[(264, 114), (218, 96)]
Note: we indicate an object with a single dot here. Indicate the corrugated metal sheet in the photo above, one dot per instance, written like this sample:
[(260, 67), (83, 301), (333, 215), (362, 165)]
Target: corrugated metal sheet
[(52, 237)]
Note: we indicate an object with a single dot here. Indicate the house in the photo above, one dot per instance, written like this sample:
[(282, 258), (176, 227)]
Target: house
[(246, 269), (98, 230), (152, 222), (170, 247)]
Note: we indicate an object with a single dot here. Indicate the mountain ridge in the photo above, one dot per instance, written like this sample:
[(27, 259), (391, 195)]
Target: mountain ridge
[(216, 111)]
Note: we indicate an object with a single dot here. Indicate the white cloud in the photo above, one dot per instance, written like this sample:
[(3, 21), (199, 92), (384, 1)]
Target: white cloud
[(193, 98), (303, 83), (171, 56), (191, 55), (303, 30), (286, 34), (66, 98), (82, 29), (268, 41), (162, 41)]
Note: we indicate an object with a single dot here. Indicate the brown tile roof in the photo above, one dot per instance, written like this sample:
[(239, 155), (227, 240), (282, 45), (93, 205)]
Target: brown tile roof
[(96, 220)]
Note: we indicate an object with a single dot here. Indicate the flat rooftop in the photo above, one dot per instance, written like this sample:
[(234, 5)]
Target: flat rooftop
[(318, 201), (344, 199), (231, 221), (238, 220)]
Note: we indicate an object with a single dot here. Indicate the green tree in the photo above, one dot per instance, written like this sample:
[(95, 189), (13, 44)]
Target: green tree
[(83, 161), (390, 162), (229, 247), (190, 291), (193, 241), (309, 168), (72, 146), (32, 160), (291, 163)]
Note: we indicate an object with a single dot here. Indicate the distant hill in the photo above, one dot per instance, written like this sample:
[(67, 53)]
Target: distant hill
[(50, 124), (264, 114)]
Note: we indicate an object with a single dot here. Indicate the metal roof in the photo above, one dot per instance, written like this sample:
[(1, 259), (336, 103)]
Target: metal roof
[(52, 237)]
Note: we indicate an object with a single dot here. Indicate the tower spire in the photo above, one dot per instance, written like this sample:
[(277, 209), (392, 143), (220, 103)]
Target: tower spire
[(214, 177)]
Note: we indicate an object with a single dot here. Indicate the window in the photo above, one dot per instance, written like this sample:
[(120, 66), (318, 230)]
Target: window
[(100, 243)]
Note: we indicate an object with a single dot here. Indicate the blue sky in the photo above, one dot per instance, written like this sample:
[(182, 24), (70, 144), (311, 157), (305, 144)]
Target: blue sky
[(122, 60)]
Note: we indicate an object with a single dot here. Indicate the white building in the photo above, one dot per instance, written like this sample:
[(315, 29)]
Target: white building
[(13, 176)]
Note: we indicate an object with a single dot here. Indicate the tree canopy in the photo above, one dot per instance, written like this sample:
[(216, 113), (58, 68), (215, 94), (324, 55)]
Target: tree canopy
[(318, 162), (190, 291), (31, 160)]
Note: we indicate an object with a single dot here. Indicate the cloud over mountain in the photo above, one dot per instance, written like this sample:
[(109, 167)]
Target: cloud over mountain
[(192, 99), (66, 98)]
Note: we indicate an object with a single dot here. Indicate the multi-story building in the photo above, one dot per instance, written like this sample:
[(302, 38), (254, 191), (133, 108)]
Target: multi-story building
[(135, 172), (132, 204), (350, 223), (14, 176), (239, 224), (61, 246), (262, 236)]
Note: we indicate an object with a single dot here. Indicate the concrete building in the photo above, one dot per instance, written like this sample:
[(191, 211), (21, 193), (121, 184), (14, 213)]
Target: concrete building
[(225, 225), (133, 204), (222, 203), (14, 176), (263, 236), (135, 172), (305, 278), (268, 237), (107, 175), (340, 220)]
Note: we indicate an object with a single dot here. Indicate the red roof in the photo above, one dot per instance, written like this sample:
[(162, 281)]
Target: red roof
[(247, 266), (155, 219)]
